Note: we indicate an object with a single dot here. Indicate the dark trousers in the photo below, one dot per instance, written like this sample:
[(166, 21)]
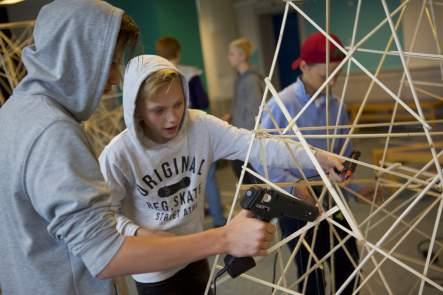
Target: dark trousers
[(237, 167), (190, 280), (343, 266)]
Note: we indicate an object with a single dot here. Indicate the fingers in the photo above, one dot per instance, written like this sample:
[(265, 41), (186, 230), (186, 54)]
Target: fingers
[(246, 213), (336, 163), (262, 247), (248, 236), (334, 176), (327, 161), (270, 229), (266, 238)]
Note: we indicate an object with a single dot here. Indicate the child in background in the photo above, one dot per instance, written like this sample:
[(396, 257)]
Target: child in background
[(312, 64), (248, 92)]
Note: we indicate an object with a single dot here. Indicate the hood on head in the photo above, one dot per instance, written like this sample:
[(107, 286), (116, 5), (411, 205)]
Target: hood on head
[(70, 58), (138, 69)]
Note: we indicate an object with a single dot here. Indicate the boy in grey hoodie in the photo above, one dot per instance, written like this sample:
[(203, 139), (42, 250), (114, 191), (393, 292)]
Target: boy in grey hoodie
[(57, 226), (158, 166)]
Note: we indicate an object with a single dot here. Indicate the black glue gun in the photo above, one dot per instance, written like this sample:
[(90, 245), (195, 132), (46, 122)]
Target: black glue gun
[(266, 205)]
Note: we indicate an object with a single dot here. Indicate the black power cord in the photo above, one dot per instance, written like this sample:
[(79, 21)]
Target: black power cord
[(274, 270), (226, 267), (423, 249), (216, 277)]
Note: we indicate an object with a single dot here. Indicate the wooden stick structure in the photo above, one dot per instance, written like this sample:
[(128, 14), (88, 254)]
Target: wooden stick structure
[(13, 38), (406, 188), (105, 123), (404, 167)]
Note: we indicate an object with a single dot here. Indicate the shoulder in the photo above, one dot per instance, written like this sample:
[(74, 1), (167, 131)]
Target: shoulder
[(196, 115), (201, 120), (40, 111), (189, 71), (253, 79), (288, 97), (118, 146), (48, 117), (254, 74)]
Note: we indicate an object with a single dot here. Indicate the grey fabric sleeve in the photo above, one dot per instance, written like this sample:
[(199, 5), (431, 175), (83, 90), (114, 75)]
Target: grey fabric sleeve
[(231, 143), (117, 182), (63, 181)]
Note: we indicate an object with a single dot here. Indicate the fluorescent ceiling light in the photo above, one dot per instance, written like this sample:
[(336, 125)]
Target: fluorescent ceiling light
[(8, 2)]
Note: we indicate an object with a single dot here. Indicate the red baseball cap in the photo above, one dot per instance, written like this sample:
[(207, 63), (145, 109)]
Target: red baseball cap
[(313, 50)]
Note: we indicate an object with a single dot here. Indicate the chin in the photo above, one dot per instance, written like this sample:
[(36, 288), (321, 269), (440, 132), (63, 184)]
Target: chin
[(168, 137)]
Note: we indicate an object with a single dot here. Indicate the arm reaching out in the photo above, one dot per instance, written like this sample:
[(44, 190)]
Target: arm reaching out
[(243, 236)]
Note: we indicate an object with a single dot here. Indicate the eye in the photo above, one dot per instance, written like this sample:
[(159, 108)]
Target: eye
[(157, 111), (178, 104)]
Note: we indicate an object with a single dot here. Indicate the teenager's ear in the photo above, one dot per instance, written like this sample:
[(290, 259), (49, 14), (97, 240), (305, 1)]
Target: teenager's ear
[(303, 66)]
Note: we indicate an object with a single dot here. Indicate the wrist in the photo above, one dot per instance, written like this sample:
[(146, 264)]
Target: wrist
[(222, 240)]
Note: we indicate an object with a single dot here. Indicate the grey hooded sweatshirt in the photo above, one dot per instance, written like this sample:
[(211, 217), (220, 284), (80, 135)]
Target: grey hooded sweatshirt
[(160, 186), (57, 230)]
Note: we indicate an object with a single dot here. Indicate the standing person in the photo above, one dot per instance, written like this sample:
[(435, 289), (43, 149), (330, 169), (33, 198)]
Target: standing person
[(169, 48), (159, 165), (312, 64), (57, 227), (248, 92)]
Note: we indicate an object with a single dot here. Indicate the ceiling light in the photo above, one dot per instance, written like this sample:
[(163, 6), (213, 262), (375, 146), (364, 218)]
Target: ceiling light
[(8, 2)]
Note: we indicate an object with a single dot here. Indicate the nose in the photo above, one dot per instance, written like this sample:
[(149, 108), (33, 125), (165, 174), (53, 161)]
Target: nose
[(173, 116)]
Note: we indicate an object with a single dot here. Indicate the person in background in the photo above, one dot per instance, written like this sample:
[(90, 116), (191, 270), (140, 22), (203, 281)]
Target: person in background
[(312, 63), (248, 93)]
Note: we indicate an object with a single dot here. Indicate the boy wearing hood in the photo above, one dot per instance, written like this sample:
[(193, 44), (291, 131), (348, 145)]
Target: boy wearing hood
[(169, 48), (158, 166), (57, 227)]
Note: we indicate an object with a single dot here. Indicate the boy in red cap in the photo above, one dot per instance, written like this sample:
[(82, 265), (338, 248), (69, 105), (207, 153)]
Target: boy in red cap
[(312, 63)]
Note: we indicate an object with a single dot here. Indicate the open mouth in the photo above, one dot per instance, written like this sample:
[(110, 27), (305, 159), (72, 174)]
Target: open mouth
[(171, 129)]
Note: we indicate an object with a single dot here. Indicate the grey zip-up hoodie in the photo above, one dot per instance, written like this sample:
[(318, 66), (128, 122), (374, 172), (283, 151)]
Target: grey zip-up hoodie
[(57, 230), (160, 186)]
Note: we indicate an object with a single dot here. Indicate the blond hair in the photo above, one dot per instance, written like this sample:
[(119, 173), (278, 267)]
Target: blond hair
[(158, 80), (243, 44)]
